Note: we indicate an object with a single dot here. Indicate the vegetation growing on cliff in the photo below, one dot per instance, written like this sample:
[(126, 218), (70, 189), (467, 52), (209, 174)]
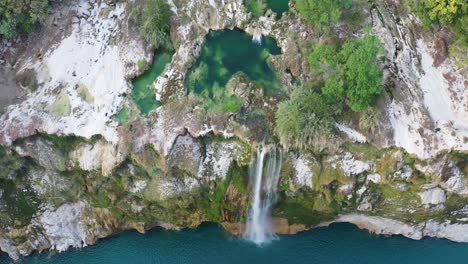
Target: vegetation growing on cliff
[(351, 73), (321, 15), (152, 18), (18, 16), (349, 77), (452, 13), (305, 120)]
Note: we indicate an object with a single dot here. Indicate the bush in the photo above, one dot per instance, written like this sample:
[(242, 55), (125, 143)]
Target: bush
[(321, 14), (152, 18), (21, 16), (305, 121)]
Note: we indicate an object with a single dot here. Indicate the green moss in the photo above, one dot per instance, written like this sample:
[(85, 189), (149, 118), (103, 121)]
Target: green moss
[(20, 201), (61, 107), (123, 115), (305, 207), (84, 94), (141, 63), (369, 151)]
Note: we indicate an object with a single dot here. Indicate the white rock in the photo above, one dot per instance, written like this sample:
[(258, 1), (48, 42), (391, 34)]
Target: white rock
[(433, 196), (100, 155), (454, 232), (138, 186), (303, 175), (350, 165), (380, 225), (375, 178), (64, 226), (351, 133)]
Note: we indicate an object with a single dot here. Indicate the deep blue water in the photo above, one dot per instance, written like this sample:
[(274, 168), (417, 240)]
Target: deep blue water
[(340, 243)]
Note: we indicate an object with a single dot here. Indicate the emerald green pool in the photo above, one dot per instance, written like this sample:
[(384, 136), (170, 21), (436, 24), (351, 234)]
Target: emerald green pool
[(278, 6), (226, 53), (259, 7), (143, 93)]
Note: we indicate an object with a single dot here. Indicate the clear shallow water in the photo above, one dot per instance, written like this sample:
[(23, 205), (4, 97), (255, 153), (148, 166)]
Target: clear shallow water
[(143, 93), (340, 243), (278, 6), (226, 53)]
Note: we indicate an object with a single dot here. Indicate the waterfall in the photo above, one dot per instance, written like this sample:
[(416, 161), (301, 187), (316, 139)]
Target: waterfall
[(257, 38), (265, 176)]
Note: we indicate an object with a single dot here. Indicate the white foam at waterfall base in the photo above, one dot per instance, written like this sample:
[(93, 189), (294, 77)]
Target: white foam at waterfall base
[(265, 174), (257, 39)]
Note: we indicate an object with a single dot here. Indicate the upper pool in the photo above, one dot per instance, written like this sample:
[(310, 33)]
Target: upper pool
[(227, 52), (278, 6)]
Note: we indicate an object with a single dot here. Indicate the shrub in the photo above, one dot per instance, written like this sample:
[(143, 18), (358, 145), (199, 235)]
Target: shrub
[(305, 121), (152, 18)]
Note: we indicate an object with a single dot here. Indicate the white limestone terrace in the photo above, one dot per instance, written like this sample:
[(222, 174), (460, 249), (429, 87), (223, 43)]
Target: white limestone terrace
[(87, 59)]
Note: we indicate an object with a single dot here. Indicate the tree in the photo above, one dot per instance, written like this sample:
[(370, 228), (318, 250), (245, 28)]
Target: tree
[(351, 74), (439, 11), (18, 16), (153, 20), (321, 14)]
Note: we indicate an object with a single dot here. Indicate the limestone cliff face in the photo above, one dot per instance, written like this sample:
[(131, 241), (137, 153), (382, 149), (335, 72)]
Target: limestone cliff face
[(71, 173)]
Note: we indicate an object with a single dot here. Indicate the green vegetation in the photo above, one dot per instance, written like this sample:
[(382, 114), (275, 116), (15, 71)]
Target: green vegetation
[(449, 12), (348, 76), (143, 91), (152, 18), (141, 64), (225, 54), (84, 94), (304, 121), (123, 115), (256, 7), (259, 7), (61, 107), (351, 73), (17, 16), (452, 13), (321, 14)]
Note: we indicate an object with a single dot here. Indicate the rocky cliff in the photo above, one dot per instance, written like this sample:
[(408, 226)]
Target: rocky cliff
[(72, 172)]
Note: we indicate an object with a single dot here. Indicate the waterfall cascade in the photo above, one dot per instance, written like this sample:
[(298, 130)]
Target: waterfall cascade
[(257, 38), (265, 174)]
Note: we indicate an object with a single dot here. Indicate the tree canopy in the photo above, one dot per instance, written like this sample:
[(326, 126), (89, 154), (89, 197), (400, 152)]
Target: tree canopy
[(321, 14), (18, 16), (351, 74)]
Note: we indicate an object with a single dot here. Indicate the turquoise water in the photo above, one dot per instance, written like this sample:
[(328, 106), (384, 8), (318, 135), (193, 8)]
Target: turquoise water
[(340, 243), (278, 6), (143, 92), (226, 53)]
